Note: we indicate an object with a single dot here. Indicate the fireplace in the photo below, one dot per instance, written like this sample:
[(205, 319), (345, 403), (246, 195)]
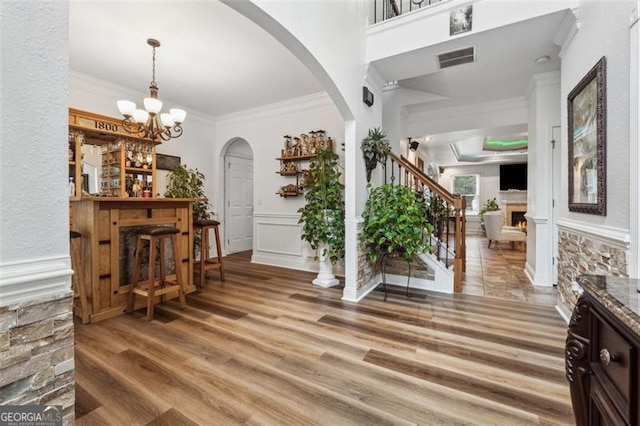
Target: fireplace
[(517, 217), (515, 213)]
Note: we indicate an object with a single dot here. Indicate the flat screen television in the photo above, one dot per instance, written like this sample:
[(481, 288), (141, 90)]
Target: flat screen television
[(513, 176)]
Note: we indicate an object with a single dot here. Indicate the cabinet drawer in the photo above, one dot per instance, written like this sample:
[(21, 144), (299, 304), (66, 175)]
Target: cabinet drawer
[(611, 356), (602, 410)]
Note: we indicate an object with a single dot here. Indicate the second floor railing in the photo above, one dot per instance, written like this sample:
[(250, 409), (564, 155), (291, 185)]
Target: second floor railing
[(387, 9), (446, 212)]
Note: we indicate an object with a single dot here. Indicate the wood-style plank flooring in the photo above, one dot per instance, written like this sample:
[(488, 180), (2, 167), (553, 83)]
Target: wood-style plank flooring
[(266, 347), (498, 272)]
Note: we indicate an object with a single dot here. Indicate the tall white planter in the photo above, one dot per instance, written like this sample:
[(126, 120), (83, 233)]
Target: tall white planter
[(325, 276)]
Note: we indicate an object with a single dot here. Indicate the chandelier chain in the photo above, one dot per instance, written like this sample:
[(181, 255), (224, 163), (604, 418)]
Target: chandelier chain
[(153, 69)]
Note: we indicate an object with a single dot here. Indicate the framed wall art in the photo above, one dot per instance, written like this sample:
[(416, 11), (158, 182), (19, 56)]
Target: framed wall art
[(587, 116), (460, 20), (167, 162)]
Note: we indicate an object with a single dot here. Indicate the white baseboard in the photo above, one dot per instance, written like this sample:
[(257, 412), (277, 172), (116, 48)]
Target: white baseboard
[(297, 263)]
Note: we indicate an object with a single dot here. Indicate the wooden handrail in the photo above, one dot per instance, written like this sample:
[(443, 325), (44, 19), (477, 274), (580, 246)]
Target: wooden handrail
[(434, 186)]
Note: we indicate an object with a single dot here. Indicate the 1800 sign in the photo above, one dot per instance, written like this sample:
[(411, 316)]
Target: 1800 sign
[(110, 127)]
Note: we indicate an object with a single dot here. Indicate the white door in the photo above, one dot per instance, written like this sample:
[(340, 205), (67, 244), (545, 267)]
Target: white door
[(239, 204), (555, 182)]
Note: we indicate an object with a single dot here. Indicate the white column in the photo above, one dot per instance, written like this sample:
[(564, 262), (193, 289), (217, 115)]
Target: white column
[(544, 113)]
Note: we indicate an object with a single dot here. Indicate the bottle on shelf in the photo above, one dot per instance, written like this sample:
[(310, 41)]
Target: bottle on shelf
[(72, 187)]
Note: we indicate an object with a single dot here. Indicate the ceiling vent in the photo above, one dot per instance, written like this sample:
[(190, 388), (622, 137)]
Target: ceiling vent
[(457, 57)]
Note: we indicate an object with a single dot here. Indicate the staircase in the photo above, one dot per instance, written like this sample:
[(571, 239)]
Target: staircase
[(446, 212)]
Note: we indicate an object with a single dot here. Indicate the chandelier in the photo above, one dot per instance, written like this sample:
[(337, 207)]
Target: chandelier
[(149, 122)]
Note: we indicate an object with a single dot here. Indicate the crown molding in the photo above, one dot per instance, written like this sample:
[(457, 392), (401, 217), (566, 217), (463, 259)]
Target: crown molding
[(568, 29), (547, 79)]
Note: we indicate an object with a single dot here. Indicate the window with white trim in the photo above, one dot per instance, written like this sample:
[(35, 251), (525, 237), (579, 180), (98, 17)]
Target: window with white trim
[(469, 187)]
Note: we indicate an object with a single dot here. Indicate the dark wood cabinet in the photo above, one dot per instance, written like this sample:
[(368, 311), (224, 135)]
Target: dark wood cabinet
[(601, 355)]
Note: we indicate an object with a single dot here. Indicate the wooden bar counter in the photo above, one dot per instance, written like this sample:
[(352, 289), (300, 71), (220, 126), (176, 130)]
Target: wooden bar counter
[(108, 246)]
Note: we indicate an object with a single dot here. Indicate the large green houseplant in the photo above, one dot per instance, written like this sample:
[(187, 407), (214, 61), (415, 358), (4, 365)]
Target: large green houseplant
[(323, 214), (395, 222), (375, 149), (189, 183), (488, 206)]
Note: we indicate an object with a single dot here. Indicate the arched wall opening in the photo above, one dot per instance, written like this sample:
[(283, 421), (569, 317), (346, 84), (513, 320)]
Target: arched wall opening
[(342, 79), (236, 161)]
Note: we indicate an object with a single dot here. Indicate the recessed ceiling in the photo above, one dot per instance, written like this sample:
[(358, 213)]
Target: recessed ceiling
[(505, 62), (467, 146), (211, 59)]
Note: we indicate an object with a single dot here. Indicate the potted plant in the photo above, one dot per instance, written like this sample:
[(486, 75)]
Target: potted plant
[(395, 222), (488, 206), (323, 214), (375, 148), (189, 183)]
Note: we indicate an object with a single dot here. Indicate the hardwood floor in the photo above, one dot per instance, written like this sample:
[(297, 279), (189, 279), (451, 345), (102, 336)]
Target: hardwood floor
[(267, 347)]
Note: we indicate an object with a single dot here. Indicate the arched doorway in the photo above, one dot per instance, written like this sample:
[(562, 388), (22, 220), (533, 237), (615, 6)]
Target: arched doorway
[(238, 197)]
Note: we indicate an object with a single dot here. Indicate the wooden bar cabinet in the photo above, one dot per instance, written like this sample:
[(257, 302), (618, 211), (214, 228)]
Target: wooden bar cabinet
[(107, 225)]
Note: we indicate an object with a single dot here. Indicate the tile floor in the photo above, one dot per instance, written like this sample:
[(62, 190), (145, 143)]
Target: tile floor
[(499, 272)]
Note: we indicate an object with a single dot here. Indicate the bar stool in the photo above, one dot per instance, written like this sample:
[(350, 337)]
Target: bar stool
[(207, 263), (77, 280), (156, 236)]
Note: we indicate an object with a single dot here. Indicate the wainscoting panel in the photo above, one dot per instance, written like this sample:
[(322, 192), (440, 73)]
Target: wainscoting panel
[(278, 242), (279, 238)]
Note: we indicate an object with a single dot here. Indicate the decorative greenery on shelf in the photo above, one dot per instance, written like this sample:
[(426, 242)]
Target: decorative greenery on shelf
[(189, 183), (488, 206), (323, 215), (375, 149), (395, 222)]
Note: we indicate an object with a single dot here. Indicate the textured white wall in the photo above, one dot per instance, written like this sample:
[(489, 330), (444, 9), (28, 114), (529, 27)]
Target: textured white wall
[(603, 31), (34, 206), (264, 128)]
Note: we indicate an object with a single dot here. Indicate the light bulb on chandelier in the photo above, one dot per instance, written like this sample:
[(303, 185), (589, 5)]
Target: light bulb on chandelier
[(149, 122)]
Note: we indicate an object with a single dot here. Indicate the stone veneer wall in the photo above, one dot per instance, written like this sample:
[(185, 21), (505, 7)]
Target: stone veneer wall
[(366, 271), (36, 354), (578, 255)]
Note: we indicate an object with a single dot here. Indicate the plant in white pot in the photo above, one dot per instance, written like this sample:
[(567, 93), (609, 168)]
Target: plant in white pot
[(323, 215)]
